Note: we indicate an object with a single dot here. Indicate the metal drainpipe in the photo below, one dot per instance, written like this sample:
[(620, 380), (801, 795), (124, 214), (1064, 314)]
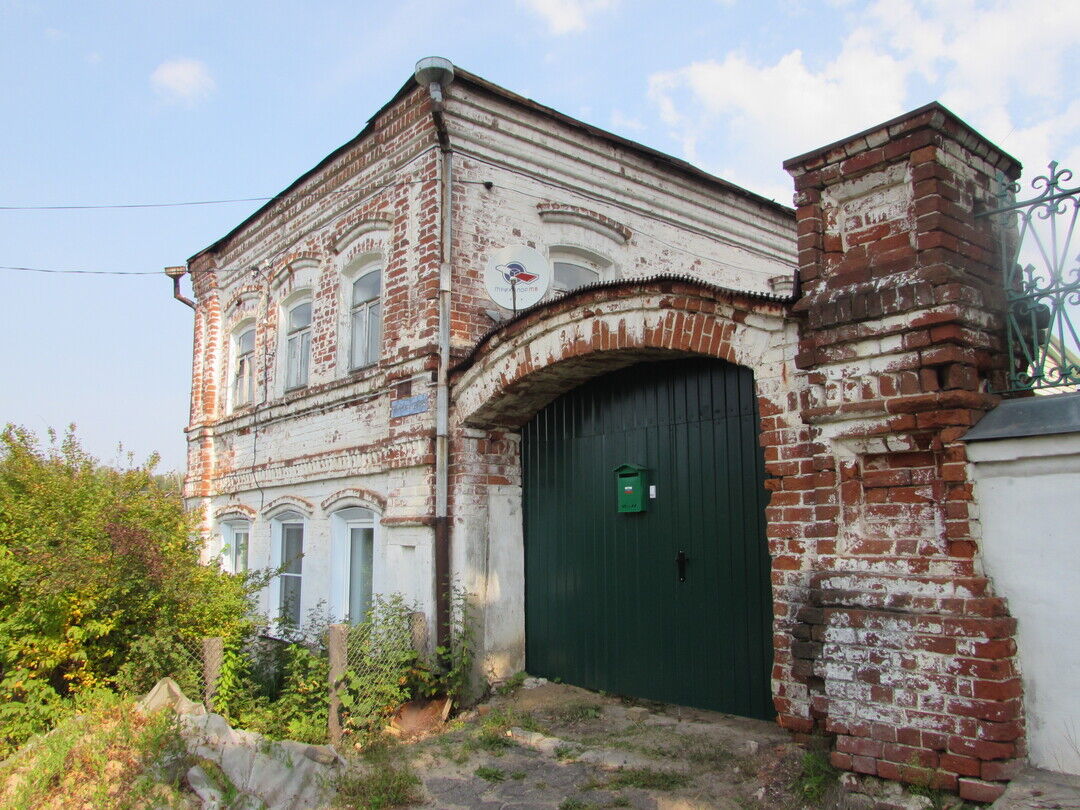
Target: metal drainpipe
[(177, 273), (435, 73)]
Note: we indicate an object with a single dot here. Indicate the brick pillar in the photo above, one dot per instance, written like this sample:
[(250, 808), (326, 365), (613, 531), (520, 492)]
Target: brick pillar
[(899, 648)]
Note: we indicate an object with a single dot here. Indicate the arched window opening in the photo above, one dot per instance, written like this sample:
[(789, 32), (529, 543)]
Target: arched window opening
[(298, 345), (243, 382), (235, 541), (569, 276), (366, 320), (292, 560), (354, 558)]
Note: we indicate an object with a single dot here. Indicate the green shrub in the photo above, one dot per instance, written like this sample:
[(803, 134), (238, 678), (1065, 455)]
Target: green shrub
[(100, 581)]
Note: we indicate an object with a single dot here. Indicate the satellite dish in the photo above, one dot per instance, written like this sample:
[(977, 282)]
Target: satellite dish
[(517, 276)]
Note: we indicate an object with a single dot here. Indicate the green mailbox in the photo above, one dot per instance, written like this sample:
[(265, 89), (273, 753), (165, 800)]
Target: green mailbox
[(630, 485)]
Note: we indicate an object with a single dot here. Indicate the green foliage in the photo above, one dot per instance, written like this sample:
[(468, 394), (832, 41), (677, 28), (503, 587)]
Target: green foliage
[(386, 781), (490, 774), (453, 661), (99, 578), (647, 779), (100, 756), (382, 665), (817, 776), (511, 684)]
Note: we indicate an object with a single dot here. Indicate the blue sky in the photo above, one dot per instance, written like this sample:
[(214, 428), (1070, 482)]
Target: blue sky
[(136, 102)]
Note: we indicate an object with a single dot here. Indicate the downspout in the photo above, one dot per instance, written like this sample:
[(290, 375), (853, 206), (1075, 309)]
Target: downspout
[(436, 73), (177, 273)]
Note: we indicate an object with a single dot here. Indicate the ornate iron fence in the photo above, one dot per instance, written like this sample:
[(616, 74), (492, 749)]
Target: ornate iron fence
[(1041, 301)]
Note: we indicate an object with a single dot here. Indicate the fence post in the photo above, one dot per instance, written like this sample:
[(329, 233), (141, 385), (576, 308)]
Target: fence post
[(337, 648), (418, 628), (213, 650)]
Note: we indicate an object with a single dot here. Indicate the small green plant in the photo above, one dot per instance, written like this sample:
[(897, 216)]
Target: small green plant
[(388, 781), (578, 713), (511, 684), (517, 775), (490, 774), (573, 804), (620, 801), (566, 752), (817, 776), (647, 779)]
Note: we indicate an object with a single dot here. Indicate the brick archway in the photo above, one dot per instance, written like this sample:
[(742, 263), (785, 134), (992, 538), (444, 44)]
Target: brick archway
[(518, 369), (530, 361)]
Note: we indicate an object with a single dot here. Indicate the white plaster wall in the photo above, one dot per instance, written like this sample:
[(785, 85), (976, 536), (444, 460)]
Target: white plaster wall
[(403, 560), (1027, 490)]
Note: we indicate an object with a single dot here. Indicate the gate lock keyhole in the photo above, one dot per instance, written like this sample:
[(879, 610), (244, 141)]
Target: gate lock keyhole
[(680, 560)]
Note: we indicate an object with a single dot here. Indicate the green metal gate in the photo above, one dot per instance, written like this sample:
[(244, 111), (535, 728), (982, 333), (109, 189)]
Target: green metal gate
[(672, 603)]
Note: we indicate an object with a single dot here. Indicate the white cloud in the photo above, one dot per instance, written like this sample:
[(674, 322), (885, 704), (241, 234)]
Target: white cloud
[(623, 122), (182, 81), (1001, 65), (568, 16)]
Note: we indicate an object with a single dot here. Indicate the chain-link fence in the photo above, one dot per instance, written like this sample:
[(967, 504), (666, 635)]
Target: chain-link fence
[(354, 676), (375, 666)]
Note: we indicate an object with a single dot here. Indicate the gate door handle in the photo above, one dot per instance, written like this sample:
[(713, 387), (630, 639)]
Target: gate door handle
[(680, 560)]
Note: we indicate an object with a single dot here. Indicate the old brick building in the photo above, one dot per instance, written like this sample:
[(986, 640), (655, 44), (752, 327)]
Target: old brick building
[(807, 547)]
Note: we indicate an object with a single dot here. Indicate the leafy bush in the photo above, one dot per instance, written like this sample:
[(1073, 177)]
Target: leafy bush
[(99, 573)]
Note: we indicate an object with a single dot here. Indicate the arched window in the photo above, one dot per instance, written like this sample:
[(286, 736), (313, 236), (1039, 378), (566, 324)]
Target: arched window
[(288, 536), (569, 276), (297, 344), (243, 377), (354, 558), (366, 320), (235, 541)]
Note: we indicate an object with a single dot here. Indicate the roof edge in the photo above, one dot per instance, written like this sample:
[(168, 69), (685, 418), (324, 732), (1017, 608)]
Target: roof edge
[(933, 106), (462, 75)]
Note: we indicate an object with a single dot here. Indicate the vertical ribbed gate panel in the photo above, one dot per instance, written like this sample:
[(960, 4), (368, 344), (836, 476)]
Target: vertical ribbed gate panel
[(605, 605)]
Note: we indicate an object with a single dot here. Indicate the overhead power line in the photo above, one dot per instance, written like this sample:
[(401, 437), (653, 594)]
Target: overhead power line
[(84, 272)]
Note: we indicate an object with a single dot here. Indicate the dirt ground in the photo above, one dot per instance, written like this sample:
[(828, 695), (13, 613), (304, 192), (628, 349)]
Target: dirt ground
[(559, 747)]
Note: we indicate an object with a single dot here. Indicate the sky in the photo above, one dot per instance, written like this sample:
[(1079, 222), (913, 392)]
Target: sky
[(120, 103)]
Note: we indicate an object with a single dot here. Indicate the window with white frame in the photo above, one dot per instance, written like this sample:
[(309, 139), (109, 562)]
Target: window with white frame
[(354, 558), (235, 541), (569, 276), (243, 381), (292, 559), (366, 319), (297, 344)]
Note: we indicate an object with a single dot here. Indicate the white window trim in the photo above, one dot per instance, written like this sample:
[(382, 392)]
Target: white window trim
[(277, 538), (603, 267), (296, 299), (366, 307), (352, 268), (229, 546), (234, 364), (341, 523)]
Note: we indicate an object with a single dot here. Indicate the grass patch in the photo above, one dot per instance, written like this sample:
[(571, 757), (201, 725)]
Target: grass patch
[(647, 779), (517, 775), (387, 781), (577, 713), (102, 757), (566, 752), (511, 684), (574, 804), (817, 776), (490, 774)]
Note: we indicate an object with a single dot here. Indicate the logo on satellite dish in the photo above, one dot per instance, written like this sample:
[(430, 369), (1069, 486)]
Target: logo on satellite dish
[(517, 277), (515, 272)]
